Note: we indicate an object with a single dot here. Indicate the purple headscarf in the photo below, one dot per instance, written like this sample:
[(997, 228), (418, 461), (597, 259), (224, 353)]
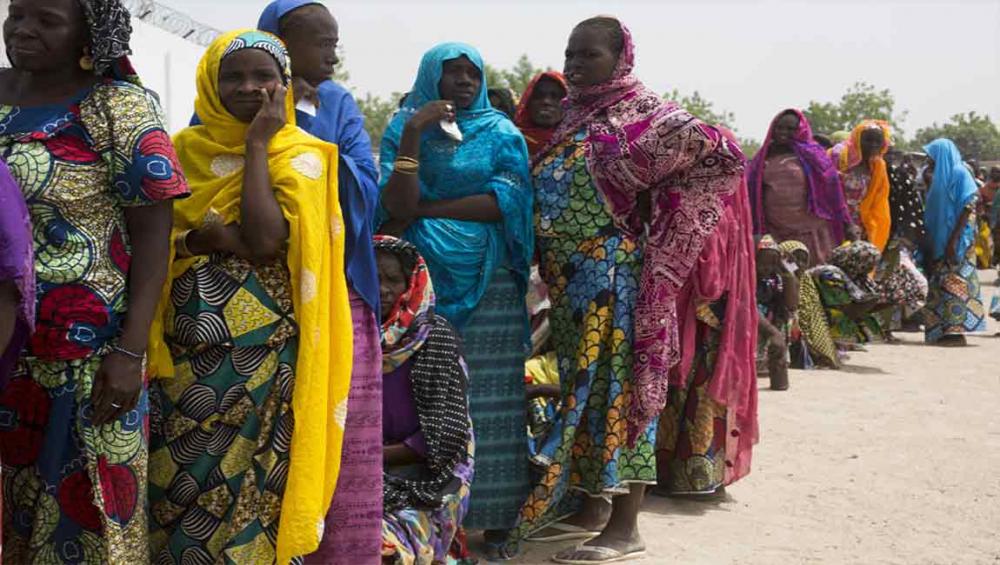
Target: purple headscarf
[(16, 264), (826, 195)]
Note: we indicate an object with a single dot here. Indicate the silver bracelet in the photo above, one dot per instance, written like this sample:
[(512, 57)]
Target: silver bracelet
[(130, 354)]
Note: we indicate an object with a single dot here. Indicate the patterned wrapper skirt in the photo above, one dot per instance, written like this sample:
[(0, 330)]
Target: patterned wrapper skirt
[(74, 493), (593, 284), (353, 533), (222, 426), (413, 536), (955, 302), (494, 348), (691, 438)]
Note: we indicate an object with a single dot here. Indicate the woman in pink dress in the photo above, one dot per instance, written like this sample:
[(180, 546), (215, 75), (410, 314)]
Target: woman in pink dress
[(795, 189)]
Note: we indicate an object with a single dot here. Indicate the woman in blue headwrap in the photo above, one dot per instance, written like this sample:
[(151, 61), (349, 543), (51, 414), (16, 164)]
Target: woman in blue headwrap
[(467, 206), (954, 304), (353, 530)]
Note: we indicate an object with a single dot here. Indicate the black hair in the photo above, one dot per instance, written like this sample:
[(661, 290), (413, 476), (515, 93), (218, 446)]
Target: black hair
[(506, 104), (611, 27), (824, 141)]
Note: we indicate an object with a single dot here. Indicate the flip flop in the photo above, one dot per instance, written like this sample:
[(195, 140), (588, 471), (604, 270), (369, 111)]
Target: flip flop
[(605, 555), (568, 532)]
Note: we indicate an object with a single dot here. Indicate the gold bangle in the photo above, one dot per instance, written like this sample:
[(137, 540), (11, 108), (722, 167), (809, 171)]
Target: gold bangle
[(181, 249), (405, 159), (406, 167)]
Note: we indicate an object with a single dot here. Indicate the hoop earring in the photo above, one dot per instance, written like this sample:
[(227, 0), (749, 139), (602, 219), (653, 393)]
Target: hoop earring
[(87, 63)]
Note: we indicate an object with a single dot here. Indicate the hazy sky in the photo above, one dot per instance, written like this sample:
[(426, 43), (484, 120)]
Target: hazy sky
[(752, 57)]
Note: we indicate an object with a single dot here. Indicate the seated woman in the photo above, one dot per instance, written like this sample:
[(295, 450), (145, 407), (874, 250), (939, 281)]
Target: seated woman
[(777, 299), (849, 294), (247, 441), (427, 434), (813, 344)]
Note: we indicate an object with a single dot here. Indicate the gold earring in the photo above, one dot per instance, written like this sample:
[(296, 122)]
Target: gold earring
[(86, 62)]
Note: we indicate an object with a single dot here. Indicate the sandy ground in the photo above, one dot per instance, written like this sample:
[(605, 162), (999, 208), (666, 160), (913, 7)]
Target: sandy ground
[(896, 459)]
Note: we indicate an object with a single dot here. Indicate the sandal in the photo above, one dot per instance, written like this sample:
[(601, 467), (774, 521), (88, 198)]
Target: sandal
[(567, 532), (952, 341), (603, 554)]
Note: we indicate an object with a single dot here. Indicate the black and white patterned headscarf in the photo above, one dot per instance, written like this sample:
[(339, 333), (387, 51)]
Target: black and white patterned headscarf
[(110, 27)]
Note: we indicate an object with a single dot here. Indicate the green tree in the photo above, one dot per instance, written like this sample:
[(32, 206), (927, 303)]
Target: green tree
[(378, 111), (862, 101), (515, 78), (701, 108), (976, 135)]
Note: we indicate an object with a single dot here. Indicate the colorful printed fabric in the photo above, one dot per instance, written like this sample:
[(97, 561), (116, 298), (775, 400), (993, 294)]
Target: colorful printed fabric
[(410, 319), (869, 203), (494, 348), (413, 536), (303, 171), (222, 427), (837, 290), (691, 437), (80, 164), (353, 524), (955, 302), (492, 158), (78, 174), (17, 266), (74, 493), (952, 191), (535, 136), (637, 143), (592, 270), (825, 194), (810, 317)]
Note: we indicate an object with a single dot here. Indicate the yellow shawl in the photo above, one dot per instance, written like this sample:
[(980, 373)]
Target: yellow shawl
[(876, 215), (304, 174)]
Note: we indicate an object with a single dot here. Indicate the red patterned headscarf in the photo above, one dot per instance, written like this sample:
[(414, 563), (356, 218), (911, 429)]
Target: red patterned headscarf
[(536, 136), (411, 317)]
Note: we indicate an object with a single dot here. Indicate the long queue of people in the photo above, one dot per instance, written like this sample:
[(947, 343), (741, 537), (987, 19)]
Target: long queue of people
[(250, 343)]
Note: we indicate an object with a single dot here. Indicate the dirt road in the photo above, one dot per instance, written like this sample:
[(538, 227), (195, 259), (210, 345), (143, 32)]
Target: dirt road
[(896, 459)]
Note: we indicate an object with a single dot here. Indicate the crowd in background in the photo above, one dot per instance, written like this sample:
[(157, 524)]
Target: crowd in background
[(258, 341)]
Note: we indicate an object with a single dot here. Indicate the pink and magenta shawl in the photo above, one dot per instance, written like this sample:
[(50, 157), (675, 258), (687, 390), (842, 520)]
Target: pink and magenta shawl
[(637, 143), (826, 195)]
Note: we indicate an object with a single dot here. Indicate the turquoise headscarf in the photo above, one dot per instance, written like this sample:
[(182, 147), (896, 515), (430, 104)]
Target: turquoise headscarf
[(492, 159), (952, 190)]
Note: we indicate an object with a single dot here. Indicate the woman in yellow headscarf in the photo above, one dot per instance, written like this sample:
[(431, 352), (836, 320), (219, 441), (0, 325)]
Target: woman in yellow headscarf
[(245, 450), (861, 160)]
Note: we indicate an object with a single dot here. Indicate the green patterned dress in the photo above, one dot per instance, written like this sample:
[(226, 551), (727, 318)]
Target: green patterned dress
[(592, 270), (222, 426)]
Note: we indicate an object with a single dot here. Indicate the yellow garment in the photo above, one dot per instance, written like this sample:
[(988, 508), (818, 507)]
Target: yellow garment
[(984, 245), (543, 369), (304, 173), (876, 216)]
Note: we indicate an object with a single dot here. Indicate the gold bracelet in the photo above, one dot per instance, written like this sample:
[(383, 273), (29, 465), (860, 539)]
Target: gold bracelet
[(405, 159), (180, 245), (406, 167)]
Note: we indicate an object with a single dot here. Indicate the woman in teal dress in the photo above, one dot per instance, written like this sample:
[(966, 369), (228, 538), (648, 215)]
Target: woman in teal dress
[(466, 205)]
